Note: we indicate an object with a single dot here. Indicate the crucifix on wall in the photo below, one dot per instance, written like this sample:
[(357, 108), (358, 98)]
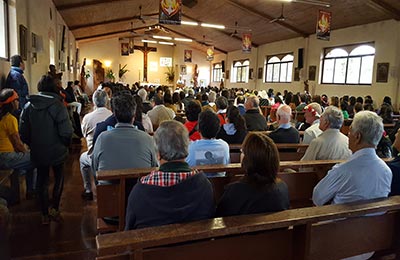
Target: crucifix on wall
[(145, 49)]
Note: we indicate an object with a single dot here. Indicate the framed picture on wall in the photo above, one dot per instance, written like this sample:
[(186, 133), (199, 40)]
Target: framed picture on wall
[(260, 73), (312, 70), (23, 41), (227, 74), (183, 69), (382, 72)]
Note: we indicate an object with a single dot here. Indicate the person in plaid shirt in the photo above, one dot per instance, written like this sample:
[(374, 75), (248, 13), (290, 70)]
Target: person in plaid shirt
[(175, 193)]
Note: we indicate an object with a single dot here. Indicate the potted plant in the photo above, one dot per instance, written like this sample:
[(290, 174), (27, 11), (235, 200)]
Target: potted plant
[(170, 75), (110, 75), (122, 71)]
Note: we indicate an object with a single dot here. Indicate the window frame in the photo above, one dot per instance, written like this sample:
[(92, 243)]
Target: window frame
[(7, 31), (240, 68), (276, 63), (217, 71), (348, 48)]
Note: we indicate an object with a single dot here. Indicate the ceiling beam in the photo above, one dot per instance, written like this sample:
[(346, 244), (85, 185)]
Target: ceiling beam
[(266, 17), (189, 37), (385, 8), (111, 33), (124, 19), (85, 4), (219, 30)]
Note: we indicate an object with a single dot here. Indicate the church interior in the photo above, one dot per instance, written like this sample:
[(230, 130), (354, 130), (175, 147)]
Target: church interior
[(230, 43)]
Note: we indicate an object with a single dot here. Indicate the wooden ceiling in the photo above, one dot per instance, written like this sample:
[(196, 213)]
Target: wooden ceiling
[(91, 20)]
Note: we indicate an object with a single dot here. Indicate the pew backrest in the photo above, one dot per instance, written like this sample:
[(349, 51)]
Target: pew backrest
[(325, 232)]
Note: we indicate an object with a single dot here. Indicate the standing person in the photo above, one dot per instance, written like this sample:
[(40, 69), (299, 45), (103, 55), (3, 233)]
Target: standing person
[(13, 154), (46, 128), (16, 80), (259, 190)]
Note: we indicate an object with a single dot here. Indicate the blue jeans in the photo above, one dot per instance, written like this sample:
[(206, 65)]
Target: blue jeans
[(20, 162)]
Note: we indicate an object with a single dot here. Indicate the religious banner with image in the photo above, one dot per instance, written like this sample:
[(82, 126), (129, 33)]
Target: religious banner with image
[(246, 43), (188, 56), (324, 25), (170, 11), (210, 53), (124, 49)]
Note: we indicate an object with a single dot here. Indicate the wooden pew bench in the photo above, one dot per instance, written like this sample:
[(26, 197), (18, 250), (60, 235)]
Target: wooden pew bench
[(112, 198), (313, 233), (11, 176), (287, 152)]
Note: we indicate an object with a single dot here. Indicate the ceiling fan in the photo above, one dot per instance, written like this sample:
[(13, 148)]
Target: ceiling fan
[(280, 18), (143, 18), (235, 33)]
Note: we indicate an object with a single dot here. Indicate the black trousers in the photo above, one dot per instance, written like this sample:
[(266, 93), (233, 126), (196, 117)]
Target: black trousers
[(43, 186)]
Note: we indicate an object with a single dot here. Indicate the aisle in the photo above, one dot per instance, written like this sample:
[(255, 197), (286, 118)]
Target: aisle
[(74, 238)]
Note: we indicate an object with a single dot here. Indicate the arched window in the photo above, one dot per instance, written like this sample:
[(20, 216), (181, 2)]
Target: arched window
[(352, 64), (4, 43), (240, 72), (279, 68), (217, 72)]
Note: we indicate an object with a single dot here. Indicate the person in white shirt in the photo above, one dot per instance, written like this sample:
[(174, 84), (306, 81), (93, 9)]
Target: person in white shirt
[(312, 113), (331, 144), (89, 122), (364, 176)]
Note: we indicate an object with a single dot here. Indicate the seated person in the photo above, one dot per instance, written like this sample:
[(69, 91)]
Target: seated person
[(312, 114), (260, 190), (222, 104), (331, 144), (285, 132), (364, 176), (160, 112), (13, 153), (394, 165), (255, 121), (192, 112), (208, 150), (175, 193), (234, 130)]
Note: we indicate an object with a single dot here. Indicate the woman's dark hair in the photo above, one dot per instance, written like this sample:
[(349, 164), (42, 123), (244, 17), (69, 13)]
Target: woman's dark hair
[(167, 98), (261, 159), (360, 100), (175, 98), (139, 108), (387, 100), (6, 108), (193, 110), (47, 84), (289, 98), (352, 100), (235, 118)]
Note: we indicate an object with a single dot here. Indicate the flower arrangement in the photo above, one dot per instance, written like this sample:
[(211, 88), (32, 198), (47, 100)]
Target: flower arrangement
[(170, 75), (110, 75), (122, 71)]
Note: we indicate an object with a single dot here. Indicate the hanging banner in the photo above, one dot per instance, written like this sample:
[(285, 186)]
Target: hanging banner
[(210, 53), (188, 56), (170, 11), (324, 25), (246, 43)]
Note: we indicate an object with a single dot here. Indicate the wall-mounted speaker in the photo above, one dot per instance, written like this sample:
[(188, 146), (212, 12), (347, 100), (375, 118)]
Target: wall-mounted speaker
[(223, 65), (300, 58)]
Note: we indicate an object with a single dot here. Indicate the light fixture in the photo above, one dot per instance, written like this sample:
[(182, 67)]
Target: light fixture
[(183, 39), (216, 26), (149, 41), (189, 23), (162, 37), (166, 43), (107, 63)]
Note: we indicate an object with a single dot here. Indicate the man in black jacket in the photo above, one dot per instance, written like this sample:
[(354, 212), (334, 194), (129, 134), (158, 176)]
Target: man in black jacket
[(254, 120)]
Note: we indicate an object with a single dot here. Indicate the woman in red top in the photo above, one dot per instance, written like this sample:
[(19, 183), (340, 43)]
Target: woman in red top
[(192, 112)]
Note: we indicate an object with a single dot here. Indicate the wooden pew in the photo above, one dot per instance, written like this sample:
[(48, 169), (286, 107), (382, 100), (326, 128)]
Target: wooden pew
[(284, 153), (112, 198), (313, 233), (13, 177)]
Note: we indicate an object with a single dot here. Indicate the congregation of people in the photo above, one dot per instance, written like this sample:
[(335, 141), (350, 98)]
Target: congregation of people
[(177, 130)]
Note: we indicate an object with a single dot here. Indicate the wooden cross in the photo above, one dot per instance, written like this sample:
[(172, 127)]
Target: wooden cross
[(145, 49)]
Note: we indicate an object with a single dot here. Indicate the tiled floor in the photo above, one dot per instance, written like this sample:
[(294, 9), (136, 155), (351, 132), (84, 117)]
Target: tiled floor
[(74, 238)]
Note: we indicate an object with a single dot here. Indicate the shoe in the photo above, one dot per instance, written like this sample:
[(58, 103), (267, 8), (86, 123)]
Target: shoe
[(55, 215), (87, 195), (45, 220)]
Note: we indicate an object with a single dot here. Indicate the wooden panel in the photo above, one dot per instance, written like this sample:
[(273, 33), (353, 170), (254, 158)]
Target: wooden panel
[(107, 200), (300, 185), (363, 234), (266, 245)]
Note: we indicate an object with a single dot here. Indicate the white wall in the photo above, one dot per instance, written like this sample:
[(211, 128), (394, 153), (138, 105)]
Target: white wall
[(35, 16), (386, 36)]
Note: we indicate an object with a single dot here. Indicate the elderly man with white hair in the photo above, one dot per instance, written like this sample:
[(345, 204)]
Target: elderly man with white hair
[(312, 114), (331, 144), (285, 132), (364, 176)]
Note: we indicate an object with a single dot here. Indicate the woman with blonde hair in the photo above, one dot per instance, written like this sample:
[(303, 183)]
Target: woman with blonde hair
[(260, 191)]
